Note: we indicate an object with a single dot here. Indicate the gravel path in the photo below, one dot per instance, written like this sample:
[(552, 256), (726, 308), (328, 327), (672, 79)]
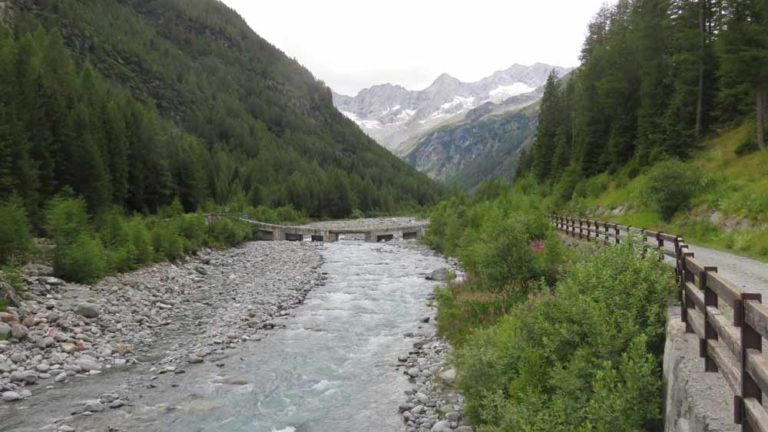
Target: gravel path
[(167, 316), (748, 274)]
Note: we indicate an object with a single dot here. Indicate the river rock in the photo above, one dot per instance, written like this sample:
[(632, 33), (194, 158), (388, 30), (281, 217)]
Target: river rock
[(60, 377), (464, 429), (88, 363), (26, 377), (448, 376), (53, 281), (94, 406), (18, 331), (5, 331), (87, 310), (422, 398), (413, 372), (440, 275), (11, 396), (46, 342), (8, 317), (442, 426), (68, 347), (194, 359)]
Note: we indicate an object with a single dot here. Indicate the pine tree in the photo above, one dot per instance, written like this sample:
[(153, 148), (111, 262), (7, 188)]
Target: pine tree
[(743, 49), (550, 118)]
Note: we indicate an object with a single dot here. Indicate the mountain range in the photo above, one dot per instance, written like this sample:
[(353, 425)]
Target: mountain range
[(396, 117)]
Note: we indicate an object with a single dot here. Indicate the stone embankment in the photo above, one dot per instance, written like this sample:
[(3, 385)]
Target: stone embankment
[(170, 316)]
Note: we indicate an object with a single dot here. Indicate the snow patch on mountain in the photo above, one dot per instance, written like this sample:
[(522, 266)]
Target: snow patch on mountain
[(501, 93), (394, 115)]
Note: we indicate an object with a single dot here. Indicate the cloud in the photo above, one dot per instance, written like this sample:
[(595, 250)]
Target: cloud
[(354, 44)]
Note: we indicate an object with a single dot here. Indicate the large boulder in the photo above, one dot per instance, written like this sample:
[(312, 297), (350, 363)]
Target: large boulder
[(441, 275)]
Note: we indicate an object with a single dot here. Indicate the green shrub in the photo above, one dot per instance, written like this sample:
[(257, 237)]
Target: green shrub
[(669, 187), (15, 231), (122, 259), (83, 260), (167, 242), (227, 232), (585, 359), (263, 214), (141, 241), (14, 277), (67, 220), (749, 145), (592, 188), (565, 188), (192, 228), (288, 214), (511, 251)]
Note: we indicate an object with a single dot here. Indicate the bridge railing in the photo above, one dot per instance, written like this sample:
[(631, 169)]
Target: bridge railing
[(729, 323)]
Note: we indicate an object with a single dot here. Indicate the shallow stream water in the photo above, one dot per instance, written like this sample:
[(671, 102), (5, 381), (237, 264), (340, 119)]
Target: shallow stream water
[(329, 366)]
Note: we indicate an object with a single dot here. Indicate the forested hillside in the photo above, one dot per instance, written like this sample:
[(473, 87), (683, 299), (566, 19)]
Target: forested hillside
[(468, 153), (133, 103), (663, 124), (656, 76)]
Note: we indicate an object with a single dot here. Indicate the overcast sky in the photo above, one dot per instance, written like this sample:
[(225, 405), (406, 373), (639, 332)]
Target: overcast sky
[(352, 44)]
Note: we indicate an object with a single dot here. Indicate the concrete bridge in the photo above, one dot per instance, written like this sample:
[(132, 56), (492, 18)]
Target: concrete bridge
[(373, 234)]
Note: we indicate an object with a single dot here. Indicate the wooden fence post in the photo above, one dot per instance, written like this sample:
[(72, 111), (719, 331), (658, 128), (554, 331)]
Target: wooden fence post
[(660, 242), (687, 276), (750, 340), (710, 299), (618, 233)]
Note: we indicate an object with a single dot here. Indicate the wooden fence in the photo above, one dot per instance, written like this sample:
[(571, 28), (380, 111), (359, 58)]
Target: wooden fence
[(730, 323)]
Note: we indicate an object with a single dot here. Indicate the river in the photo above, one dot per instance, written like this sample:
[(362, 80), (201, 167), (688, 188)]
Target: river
[(331, 365)]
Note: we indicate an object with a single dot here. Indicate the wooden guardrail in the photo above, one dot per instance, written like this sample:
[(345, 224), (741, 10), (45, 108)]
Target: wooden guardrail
[(729, 323)]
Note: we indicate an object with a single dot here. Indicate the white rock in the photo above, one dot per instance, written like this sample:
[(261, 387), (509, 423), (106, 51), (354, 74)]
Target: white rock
[(11, 396)]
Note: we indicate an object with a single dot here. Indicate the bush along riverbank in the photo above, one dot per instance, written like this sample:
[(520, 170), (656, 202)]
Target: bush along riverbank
[(547, 339), (83, 248)]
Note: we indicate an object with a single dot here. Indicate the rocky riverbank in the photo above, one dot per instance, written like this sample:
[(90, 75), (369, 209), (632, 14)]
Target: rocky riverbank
[(432, 404), (168, 316)]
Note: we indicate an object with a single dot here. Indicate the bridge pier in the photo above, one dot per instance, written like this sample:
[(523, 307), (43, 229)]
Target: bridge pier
[(294, 237), (380, 236), (278, 234)]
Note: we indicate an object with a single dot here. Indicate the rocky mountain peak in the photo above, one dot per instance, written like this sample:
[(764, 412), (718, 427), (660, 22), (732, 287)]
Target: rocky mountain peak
[(394, 115)]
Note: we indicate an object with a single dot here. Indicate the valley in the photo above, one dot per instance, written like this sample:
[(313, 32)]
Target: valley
[(226, 215), (302, 336)]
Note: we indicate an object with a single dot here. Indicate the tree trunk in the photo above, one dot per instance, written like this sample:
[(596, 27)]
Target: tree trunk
[(761, 116), (702, 53)]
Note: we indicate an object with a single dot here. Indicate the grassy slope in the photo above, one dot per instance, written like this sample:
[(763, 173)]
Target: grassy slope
[(735, 191)]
